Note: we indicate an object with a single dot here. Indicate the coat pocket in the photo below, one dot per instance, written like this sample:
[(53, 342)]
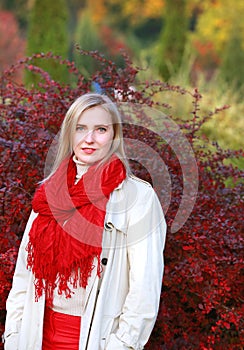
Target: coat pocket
[(11, 341), (109, 325), (115, 344)]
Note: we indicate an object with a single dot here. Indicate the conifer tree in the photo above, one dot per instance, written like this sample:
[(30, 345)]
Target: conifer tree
[(48, 32), (173, 38)]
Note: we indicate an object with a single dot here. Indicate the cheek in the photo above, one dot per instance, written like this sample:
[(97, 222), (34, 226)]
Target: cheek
[(107, 141), (76, 140)]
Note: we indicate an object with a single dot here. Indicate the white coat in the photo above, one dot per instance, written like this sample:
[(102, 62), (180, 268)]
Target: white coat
[(120, 309)]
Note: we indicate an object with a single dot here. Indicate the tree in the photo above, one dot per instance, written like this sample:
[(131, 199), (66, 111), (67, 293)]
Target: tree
[(173, 38), (48, 31), (231, 66), (87, 36), (127, 11), (216, 20), (216, 27), (92, 36), (12, 46), (20, 9)]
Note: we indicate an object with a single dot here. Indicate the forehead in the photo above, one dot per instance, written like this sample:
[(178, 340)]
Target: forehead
[(95, 116)]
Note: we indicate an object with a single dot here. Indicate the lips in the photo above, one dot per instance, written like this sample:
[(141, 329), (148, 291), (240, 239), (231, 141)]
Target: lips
[(88, 150)]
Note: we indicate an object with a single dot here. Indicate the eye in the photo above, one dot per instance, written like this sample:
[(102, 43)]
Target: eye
[(101, 129), (80, 128)]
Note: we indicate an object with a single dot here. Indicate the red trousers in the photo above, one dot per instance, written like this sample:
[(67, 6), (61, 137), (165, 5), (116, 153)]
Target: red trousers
[(60, 331)]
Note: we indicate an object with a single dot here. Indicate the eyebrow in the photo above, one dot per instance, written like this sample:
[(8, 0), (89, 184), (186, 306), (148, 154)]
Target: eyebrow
[(96, 126)]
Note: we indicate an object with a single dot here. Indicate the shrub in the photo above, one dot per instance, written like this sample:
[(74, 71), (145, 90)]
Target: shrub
[(201, 297)]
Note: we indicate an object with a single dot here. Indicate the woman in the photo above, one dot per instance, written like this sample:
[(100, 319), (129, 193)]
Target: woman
[(90, 265)]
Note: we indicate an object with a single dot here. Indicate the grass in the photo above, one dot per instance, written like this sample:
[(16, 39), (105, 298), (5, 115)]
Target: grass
[(225, 127)]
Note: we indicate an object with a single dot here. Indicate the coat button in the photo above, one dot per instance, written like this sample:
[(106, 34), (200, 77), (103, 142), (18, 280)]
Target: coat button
[(104, 261), (108, 226)]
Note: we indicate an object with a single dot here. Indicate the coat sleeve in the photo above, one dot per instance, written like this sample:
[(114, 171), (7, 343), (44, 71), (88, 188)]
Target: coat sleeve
[(146, 239), (16, 298)]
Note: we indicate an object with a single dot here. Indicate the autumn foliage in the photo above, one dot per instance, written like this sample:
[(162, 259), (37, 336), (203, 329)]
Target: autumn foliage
[(12, 45), (202, 289)]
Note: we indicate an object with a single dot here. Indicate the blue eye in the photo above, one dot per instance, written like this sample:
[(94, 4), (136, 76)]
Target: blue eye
[(102, 129), (80, 128)]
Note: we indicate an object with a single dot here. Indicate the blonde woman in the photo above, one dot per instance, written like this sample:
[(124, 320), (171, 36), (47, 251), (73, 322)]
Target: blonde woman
[(90, 265)]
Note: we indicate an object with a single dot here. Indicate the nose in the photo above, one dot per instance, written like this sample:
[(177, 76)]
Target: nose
[(89, 137)]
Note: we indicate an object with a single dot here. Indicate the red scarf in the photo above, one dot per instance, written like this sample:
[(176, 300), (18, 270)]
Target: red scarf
[(66, 236)]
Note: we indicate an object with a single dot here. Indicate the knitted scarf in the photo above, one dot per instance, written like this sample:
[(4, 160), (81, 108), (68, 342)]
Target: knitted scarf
[(66, 235)]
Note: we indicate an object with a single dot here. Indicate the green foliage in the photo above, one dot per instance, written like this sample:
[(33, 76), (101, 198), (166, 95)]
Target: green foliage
[(48, 32), (216, 20), (225, 127), (173, 38), (87, 37), (232, 68)]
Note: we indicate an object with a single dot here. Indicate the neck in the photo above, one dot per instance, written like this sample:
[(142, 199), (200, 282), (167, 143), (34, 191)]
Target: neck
[(81, 168)]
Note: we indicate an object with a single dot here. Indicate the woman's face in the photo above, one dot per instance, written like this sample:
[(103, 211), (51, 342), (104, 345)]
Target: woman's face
[(93, 136)]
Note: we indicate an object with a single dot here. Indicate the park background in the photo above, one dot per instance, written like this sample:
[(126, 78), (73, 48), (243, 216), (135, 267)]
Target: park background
[(186, 58)]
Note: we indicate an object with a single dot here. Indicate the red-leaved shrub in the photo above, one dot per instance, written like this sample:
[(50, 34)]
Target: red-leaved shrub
[(202, 289)]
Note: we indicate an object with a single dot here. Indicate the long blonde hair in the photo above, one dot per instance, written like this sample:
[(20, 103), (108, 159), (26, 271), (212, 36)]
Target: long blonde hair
[(81, 104)]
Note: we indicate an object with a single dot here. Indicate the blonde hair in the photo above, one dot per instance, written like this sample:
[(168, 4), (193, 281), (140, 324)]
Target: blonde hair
[(81, 104)]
